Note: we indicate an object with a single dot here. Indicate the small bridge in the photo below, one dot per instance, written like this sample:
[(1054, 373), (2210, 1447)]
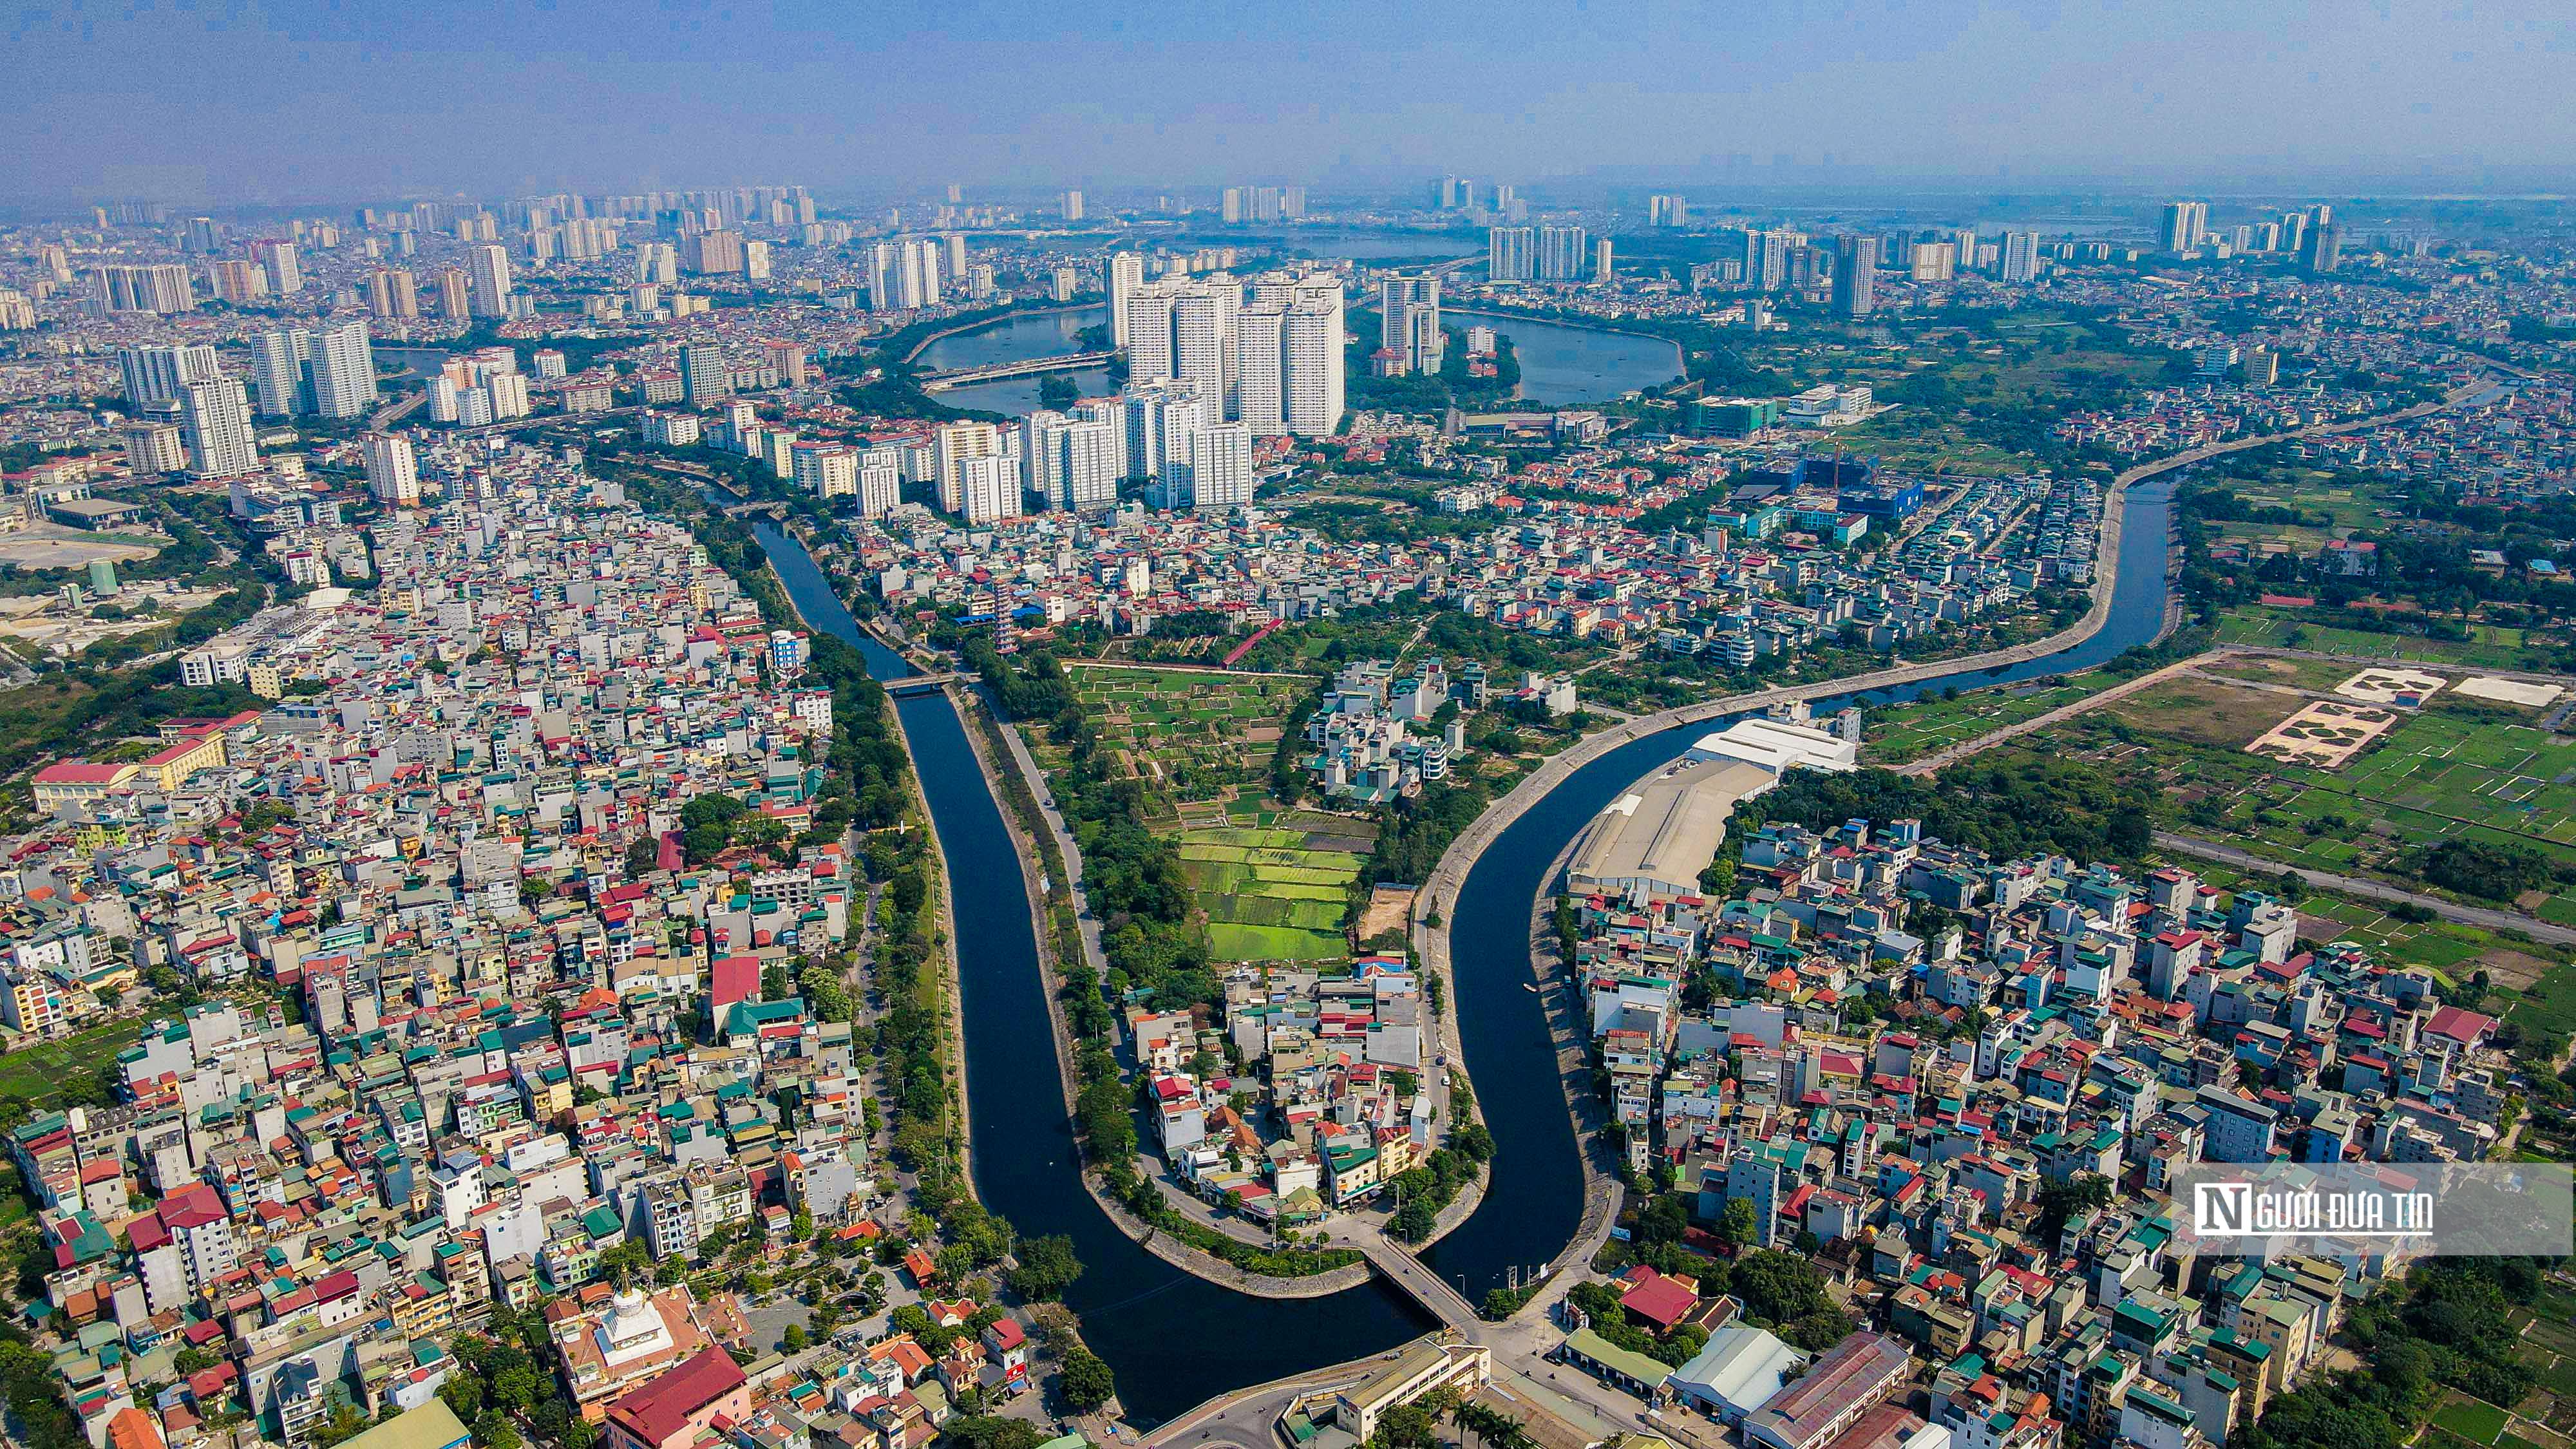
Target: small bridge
[(1025, 367), (918, 684), (1437, 1295)]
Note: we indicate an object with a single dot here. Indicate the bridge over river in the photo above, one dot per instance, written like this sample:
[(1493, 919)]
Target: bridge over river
[(1025, 367)]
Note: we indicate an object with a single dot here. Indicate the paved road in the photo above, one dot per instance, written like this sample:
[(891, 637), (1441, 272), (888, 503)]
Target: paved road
[(2353, 885)]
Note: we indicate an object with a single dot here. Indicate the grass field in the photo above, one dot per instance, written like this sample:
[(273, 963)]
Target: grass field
[(1904, 732), (1273, 884), (2458, 769), (38, 1072), (2490, 646), (2475, 1420)]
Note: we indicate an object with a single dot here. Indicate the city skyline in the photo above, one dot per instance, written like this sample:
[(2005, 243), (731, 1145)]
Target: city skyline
[(320, 102)]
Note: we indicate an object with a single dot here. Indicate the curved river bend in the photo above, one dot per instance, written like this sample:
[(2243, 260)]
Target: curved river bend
[(1174, 1339)]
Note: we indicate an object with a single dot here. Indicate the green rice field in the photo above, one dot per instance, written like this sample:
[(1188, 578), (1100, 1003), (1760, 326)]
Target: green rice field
[(1274, 884)]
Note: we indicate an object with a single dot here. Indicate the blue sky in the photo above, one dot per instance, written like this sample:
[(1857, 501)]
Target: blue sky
[(318, 99)]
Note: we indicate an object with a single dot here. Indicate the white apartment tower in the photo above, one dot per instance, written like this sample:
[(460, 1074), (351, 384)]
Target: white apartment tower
[(1409, 313), (488, 272), (903, 275), (989, 488), (342, 369), (2021, 256), (1219, 473), (951, 449), (214, 417), (277, 370), (1126, 275), (393, 474), (161, 374)]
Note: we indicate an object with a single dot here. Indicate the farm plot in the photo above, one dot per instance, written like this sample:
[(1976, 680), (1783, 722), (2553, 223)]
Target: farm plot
[(1274, 884)]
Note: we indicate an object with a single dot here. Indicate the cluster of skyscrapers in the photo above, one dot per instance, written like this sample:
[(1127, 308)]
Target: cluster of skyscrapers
[(2309, 234), (326, 370), (1263, 203), (188, 413), (1272, 361), (1546, 254), (911, 273)]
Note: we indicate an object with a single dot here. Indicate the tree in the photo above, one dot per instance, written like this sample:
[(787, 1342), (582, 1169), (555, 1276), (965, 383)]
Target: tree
[(495, 1431), (1086, 1379), (994, 1431), (1737, 1226), (793, 1340), (2062, 1199), (1047, 1267)]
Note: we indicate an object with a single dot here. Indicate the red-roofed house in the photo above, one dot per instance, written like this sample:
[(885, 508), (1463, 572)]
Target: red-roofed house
[(671, 1411)]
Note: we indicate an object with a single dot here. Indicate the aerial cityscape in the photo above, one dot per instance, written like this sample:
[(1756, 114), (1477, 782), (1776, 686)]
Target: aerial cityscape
[(1614, 729)]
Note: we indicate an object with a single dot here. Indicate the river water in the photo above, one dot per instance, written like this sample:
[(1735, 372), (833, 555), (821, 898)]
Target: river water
[(1175, 1339)]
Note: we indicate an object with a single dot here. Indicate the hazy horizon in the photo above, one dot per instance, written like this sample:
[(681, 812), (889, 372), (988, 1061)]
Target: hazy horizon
[(305, 100)]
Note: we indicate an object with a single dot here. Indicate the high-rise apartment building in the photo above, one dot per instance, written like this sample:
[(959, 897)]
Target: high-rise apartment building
[(162, 374), (1290, 369), (1855, 275), (341, 370), (214, 419), (235, 281), (952, 447), (455, 297), (1126, 275), (488, 268), (988, 488), (2021, 257), (1219, 471), (277, 371), (154, 447), (1073, 463), (277, 258), (1667, 210), (717, 253), (1561, 255), (392, 292), (393, 474), (2325, 248), (1510, 254), (903, 275), (1409, 318), (1158, 418), (1071, 204), (705, 375), (163, 287), (657, 263), (1602, 270), (2183, 223)]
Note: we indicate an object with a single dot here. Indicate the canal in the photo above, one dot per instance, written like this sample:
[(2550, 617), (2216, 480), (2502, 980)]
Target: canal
[(1175, 1339), (1536, 1203)]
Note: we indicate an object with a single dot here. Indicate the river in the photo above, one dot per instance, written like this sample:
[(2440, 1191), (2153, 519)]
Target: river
[(1174, 1339)]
